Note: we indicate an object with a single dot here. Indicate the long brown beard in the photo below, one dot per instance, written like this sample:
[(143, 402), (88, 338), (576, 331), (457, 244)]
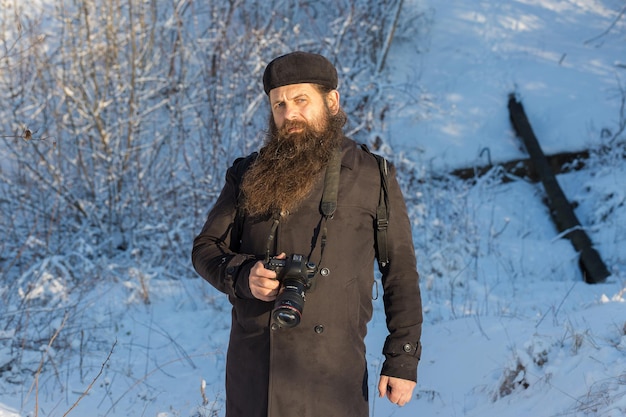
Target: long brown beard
[(289, 165)]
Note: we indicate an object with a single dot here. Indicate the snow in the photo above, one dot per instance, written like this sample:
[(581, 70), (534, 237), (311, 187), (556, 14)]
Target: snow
[(480, 51), (510, 327)]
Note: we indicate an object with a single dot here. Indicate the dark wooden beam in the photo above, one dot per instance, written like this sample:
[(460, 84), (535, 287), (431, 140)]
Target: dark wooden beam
[(559, 163), (593, 268)]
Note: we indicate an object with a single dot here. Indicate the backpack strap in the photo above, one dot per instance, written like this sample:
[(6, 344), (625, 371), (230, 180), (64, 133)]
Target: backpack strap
[(240, 166), (382, 212)]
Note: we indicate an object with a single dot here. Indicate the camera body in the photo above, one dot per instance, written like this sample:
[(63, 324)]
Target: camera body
[(296, 276)]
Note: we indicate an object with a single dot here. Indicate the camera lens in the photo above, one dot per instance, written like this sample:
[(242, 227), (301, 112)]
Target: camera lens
[(289, 304), (286, 317)]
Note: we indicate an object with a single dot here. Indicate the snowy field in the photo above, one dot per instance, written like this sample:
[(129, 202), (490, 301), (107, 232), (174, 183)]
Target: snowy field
[(510, 327)]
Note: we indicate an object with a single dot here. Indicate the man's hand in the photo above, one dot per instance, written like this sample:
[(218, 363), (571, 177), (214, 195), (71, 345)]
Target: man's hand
[(263, 283), (398, 391)]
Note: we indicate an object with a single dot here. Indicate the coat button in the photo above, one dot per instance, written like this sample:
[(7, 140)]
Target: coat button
[(319, 329), (407, 348), (324, 272), (230, 270)]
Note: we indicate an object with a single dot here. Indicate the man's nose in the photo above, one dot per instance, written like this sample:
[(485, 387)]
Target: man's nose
[(291, 112)]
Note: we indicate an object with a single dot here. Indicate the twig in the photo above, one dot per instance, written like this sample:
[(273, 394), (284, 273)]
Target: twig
[(619, 16), (28, 135), (390, 35), (93, 381), (622, 113), (556, 312), (35, 383), (205, 400), (146, 376)]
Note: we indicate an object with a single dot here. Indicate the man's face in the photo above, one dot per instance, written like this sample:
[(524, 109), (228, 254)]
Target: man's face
[(305, 129), (298, 105)]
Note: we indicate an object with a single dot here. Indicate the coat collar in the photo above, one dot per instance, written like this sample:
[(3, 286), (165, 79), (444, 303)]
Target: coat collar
[(348, 153)]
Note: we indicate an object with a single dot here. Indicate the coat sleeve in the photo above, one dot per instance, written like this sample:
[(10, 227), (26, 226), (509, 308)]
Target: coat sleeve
[(211, 256), (402, 298)]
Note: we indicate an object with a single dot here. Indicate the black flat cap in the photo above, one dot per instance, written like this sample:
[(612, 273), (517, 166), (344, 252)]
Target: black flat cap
[(299, 67)]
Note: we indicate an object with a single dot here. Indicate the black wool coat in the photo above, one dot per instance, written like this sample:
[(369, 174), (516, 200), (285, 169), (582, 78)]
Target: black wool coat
[(317, 368)]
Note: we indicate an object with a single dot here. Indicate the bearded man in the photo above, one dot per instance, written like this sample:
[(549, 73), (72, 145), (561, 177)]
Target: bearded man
[(300, 278)]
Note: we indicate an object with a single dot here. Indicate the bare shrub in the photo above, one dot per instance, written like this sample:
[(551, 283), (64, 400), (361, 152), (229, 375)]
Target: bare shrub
[(513, 379), (119, 121)]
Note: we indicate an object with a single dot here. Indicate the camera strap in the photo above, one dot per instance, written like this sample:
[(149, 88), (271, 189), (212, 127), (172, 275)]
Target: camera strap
[(331, 184), (328, 205)]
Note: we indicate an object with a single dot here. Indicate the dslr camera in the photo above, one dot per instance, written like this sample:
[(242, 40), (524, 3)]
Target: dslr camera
[(296, 276)]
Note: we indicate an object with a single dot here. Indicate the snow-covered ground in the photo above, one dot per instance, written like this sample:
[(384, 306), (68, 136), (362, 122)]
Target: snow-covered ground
[(510, 327), (554, 54)]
